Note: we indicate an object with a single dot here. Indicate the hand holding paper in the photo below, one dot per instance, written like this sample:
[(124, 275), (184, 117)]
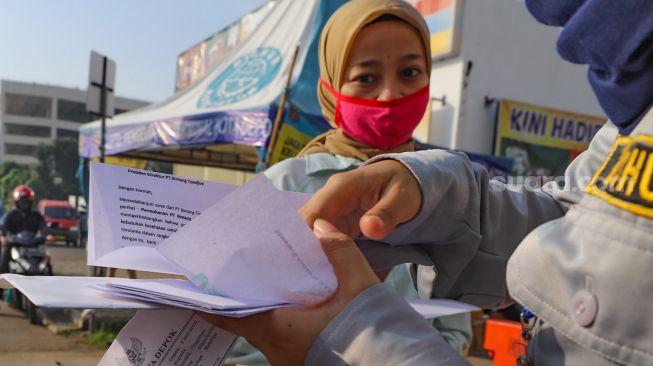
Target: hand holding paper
[(285, 335)]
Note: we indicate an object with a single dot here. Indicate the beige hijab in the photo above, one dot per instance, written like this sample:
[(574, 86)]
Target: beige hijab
[(335, 44)]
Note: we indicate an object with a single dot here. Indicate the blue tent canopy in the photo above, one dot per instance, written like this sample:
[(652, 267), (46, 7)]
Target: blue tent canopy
[(226, 118)]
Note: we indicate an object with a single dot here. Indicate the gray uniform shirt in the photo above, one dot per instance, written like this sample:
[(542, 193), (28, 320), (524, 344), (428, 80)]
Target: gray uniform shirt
[(467, 229)]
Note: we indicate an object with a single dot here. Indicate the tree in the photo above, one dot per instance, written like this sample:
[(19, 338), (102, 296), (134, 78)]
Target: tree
[(56, 168), (52, 177), (13, 174)]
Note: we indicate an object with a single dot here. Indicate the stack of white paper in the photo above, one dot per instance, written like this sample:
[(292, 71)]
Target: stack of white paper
[(124, 293), (71, 292), (243, 249), (183, 294)]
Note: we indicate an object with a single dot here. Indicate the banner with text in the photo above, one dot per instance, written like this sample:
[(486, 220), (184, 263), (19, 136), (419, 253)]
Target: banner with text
[(443, 17), (194, 63), (542, 141)]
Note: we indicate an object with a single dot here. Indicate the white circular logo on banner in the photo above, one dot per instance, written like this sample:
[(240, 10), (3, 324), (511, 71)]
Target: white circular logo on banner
[(243, 78)]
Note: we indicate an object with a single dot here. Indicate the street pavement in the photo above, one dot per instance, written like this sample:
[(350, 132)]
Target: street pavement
[(22, 343)]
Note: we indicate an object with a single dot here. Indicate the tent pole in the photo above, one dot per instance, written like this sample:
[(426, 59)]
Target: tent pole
[(103, 110), (282, 106)]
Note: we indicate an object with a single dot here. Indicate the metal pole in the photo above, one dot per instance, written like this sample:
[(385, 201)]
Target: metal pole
[(103, 108), (282, 106), (101, 271)]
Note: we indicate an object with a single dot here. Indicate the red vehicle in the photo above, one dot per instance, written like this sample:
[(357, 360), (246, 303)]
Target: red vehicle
[(62, 220)]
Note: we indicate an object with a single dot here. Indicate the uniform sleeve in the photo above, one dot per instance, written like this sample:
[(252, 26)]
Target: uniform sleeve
[(469, 224), (379, 328)]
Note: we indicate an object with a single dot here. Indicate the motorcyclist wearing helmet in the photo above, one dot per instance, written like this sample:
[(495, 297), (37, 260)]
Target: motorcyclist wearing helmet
[(21, 218)]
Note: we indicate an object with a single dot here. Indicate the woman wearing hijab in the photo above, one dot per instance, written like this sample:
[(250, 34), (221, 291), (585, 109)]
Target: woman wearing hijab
[(375, 63)]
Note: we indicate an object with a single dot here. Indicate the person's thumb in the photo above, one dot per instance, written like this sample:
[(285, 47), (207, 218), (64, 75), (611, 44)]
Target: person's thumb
[(394, 207), (352, 271)]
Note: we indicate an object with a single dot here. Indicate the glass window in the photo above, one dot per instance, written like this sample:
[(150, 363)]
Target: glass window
[(62, 132), (68, 110), (26, 130), (28, 105), (59, 212), (20, 149)]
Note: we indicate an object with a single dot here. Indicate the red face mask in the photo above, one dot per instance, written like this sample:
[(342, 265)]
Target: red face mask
[(384, 124)]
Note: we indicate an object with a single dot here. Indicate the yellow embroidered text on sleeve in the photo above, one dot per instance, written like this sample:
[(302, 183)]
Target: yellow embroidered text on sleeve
[(626, 177)]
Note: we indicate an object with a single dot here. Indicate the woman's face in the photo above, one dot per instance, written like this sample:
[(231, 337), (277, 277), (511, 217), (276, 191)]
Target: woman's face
[(386, 61)]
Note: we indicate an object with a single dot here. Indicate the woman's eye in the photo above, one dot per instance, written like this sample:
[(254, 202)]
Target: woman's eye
[(410, 72), (365, 79)]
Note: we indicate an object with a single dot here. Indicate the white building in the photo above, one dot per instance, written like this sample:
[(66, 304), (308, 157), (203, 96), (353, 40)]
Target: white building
[(31, 114), (503, 53)]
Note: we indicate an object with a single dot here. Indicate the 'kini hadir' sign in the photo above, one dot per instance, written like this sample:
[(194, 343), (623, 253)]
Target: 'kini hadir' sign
[(542, 141)]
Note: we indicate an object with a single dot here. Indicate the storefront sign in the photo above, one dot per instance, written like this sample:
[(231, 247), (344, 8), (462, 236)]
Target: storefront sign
[(542, 141)]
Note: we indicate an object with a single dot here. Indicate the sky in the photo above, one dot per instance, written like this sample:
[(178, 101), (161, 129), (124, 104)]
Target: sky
[(50, 41)]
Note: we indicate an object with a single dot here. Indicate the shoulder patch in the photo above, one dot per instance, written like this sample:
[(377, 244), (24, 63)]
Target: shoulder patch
[(625, 179)]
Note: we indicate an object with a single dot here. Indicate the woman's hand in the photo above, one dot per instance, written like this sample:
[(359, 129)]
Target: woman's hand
[(285, 335)]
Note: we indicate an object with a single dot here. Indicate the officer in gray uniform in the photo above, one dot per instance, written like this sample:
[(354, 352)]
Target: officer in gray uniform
[(580, 257)]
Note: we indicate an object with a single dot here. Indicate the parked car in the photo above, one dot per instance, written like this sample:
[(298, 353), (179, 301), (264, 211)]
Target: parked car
[(62, 220)]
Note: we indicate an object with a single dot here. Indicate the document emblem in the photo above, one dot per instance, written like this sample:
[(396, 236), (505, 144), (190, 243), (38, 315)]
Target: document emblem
[(136, 353)]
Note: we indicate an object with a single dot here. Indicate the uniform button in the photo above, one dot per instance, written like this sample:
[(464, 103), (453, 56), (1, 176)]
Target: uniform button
[(584, 307)]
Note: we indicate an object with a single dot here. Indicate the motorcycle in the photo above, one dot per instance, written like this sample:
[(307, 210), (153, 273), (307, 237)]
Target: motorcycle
[(27, 257)]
